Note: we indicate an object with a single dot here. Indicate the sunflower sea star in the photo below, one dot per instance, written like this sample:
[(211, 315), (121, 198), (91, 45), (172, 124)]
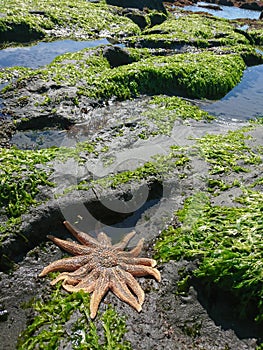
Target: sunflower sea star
[(99, 266)]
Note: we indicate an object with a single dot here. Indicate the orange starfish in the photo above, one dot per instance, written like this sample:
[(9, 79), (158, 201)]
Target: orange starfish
[(99, 266)]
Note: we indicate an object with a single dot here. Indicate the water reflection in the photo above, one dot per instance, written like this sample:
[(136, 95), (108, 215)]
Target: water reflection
[(228, 12), (42, 53), (245, 101), (37, 139)]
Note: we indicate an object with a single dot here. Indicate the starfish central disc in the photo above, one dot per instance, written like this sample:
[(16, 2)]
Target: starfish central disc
[(106, 258)]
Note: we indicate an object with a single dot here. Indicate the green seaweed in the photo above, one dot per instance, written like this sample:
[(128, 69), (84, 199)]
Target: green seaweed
[(226, 240), (229, 152), (193, 75), (48, 328), (190, 29), (20, 178), (168, 109), (157, 169), (81, 18), (22, 174), (8, 74), (257, 35)]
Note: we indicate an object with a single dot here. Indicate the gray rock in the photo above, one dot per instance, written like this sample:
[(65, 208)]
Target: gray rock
[(117, 56)]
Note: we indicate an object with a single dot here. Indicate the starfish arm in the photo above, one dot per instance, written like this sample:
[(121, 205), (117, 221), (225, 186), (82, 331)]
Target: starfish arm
[(90, 278), (136, 251), (70, 288), (82, 271), (123, 243), (121, 290), (138, 261), (67, 278), (82, 237), (140, 271), (87, 284), (101, 288), (66, 264), (133, 285), (104, 239), (70, 247)]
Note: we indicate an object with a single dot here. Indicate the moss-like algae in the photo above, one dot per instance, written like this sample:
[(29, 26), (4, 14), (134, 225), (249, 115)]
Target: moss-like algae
[(190, 29), (157, 169), (229, 152), (48, 328), (193, 75), (167, 109), (226, 240), (8, 74), (22, 175), (81, 17)]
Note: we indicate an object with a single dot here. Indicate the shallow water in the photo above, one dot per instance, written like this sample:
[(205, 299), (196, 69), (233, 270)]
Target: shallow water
[(43, 53), (37, 139), (243, 102), (228, 12)]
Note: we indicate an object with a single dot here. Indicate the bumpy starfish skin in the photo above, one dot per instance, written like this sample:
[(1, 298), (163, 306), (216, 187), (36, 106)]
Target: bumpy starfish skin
[(99, 266)]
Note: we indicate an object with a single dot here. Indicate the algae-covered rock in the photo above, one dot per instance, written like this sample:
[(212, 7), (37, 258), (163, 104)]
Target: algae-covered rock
[(56, 92), (23, 22), (189, 29)]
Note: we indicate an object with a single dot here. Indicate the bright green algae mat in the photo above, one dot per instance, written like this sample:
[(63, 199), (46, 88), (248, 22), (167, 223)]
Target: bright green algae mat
[(192, 29), (198, 75), (48, 329), (226, 240), (229, 152), (39, 17), (23, 173)]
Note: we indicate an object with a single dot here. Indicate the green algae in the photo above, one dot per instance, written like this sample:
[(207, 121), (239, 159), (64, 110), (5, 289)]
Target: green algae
[(227, 241), (8, 74), (168, 109), (191, 29), (257, 35), (193, 75), (49, 327), (248, 53), (229, 152), (258, 120), (183, 108), (79, 18), (216, 186), (22, 176)]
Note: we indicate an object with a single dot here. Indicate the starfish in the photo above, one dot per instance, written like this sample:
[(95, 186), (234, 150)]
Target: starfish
[(99, 266)]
